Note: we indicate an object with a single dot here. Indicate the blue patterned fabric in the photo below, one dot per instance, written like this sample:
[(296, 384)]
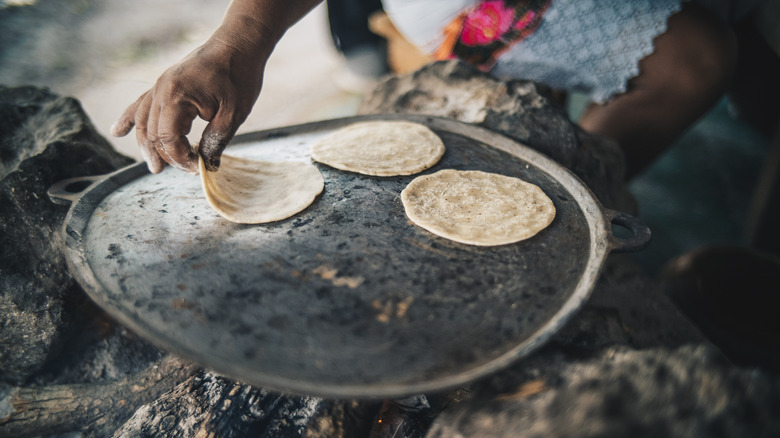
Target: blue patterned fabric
[(590, 46)]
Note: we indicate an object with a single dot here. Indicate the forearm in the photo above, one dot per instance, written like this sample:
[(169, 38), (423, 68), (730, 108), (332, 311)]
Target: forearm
[(253, 27)]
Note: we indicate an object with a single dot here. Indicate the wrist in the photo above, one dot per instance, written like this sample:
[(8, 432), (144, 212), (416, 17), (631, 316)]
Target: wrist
[(253, 27), (247, 37)]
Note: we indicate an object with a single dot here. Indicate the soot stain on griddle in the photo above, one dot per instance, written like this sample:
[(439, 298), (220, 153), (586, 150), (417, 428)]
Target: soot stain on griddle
[(323, 293), (337, 217), (279, 322), (182, 304), (122, 283), (238, 328), (299, 222), (153, 307), (114, 251)]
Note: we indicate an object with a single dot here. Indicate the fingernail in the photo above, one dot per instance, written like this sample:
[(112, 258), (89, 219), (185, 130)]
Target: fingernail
[(155, 168), (193, 161), (212, 164)]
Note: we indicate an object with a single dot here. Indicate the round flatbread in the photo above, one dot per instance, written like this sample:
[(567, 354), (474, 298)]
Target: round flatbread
[(252, 191), (380, 148), (477, 208)]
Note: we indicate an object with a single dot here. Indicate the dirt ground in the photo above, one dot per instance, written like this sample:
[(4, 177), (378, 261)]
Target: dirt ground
[(107, 52)]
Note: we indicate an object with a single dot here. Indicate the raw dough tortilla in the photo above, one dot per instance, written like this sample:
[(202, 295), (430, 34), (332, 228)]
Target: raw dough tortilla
[(252, 191), (477, 208), (380, 148)]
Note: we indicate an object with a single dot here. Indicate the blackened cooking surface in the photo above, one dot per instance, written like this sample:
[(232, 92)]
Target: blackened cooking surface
[(347, 298)]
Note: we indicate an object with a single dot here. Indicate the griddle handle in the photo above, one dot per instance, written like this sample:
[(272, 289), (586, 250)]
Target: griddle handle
[(69, 190), (640, 233)]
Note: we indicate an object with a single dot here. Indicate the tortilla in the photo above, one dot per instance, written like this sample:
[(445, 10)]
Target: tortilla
[(252, 191), (477, 208), (380, 148)]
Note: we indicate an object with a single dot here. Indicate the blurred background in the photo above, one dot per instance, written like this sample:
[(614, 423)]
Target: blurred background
[(107, 52)]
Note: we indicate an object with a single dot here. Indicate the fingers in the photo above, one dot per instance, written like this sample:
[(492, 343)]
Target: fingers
[(153, 160), (161, 129), (216, 136), (126, 121), (172, 125), (148, 151), (146, 131), (163, 117), (168, 143), (140, 112), (137, 114)]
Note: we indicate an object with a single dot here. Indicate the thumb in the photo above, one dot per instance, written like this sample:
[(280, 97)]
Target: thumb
[(216, 137)]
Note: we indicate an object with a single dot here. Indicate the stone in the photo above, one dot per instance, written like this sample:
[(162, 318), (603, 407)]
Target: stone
[(522, 110), (207, 404), (627, 364), (691, 391), (702, 284), (68, 367), (44, 138), (648, 318), (93, 348), (89, 410)]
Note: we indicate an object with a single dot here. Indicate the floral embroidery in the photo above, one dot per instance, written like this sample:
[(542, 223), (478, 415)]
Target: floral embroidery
[(481, 34), (525, 21), (487, 23)]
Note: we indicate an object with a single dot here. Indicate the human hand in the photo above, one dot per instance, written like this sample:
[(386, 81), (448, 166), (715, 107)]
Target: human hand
[(218, 83)]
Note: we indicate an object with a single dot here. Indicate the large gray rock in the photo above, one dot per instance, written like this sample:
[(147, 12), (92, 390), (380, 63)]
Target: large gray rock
[(687, 392), (209, 405), (66, 366), (624, 345), (44, 138), (522, 110)]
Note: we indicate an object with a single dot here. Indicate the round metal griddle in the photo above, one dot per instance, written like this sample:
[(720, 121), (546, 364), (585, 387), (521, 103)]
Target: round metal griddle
[(347, 298)]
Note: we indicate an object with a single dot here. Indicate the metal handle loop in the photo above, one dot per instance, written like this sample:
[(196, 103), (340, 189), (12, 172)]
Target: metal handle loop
[(69, 190), (640, 233)]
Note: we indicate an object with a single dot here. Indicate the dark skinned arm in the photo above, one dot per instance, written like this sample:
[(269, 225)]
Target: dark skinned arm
[(218, 82)]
